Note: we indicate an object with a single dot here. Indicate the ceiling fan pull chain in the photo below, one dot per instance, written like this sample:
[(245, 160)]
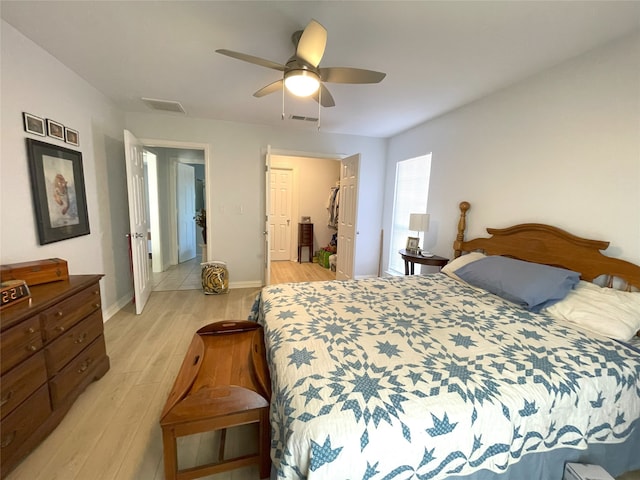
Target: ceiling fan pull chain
[(319, 109)]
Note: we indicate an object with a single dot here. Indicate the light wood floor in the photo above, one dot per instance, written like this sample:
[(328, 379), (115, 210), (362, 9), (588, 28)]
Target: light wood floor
[(112, 431), (285, 272)]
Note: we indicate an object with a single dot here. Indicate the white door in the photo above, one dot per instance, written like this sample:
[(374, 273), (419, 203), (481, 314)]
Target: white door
[(267, 209), (347, 217), (186, 210), (133, 151), (280, 213)]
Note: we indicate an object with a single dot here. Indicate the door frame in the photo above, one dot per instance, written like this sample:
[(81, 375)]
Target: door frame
[(292, 153), (208, 175)]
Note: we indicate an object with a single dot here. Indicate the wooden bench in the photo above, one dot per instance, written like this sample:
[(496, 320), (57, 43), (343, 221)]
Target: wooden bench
[(223, 382)]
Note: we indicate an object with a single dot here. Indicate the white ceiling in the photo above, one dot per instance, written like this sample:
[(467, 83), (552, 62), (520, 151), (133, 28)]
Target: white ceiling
[(437, 55)]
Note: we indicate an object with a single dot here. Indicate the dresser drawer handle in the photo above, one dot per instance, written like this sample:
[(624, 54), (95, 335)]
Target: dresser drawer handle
[(96, 292), (81, 338), (96, 305), (58, 313), (6, 397), (59, 328), (31, 330), (7, 439), (85, 365), (31, 348)]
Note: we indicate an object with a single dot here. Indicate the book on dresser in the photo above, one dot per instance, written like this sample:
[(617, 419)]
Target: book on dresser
[(52, 348)]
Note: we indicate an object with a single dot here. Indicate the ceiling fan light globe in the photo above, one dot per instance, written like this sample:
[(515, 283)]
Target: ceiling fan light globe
[(302, 83)]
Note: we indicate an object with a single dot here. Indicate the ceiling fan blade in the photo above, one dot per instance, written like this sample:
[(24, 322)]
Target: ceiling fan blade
[(350, 75), (327, 99), (271, 88), (251, 59), (312, 43)]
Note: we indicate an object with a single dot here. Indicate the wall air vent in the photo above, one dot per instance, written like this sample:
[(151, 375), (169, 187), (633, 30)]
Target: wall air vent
[(305, 119), (164, 105)]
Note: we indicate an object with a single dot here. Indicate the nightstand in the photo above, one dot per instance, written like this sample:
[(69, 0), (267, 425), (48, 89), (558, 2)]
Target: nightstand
[(410, 259)]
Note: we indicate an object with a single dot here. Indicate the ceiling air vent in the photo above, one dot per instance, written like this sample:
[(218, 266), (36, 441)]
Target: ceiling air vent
[(306, 119), (164, 105)]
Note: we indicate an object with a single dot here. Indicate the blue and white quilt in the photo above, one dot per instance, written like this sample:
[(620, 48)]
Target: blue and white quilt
[(424, 377)]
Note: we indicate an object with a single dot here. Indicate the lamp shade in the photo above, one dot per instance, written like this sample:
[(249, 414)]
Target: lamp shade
[(419, 222), (302, 83)]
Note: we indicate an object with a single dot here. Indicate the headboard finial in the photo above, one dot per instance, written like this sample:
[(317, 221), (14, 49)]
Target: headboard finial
[(462, 225)]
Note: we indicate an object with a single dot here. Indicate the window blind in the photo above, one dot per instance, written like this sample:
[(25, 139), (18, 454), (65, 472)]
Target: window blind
[(411, 194)]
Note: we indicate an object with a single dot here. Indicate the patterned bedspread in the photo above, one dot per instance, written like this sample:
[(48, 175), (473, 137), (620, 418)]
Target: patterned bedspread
[(424, 377)]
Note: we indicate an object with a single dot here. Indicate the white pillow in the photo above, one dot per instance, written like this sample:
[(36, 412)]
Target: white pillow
[(605, 311), (450, 268)]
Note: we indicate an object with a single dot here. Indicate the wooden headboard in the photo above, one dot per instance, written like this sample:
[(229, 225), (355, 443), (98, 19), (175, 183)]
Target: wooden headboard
[(539, 243)]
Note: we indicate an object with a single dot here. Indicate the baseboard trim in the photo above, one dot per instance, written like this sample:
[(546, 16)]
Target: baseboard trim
[(253, 284), (116, 307)]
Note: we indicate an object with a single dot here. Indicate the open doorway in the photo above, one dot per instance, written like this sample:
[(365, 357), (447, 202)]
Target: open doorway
[(176, 183), (302, 194)]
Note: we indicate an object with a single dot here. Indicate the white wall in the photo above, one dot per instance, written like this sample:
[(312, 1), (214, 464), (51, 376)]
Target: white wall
[(314, 178), (236, 183), (562, 148), (35, 82)]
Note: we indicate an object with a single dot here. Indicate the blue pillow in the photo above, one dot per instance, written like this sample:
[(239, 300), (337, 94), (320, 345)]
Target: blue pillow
[(530, 285)]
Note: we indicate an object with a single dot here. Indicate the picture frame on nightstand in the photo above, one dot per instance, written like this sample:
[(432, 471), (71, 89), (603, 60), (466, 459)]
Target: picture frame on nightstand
[(413, 244)]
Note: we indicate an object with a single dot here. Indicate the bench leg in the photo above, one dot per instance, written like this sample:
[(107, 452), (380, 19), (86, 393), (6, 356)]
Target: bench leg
[(265, 444), (223, 440), (170, 454)]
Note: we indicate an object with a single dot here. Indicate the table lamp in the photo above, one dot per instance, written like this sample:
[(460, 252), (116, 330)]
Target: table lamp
[(419, 222)]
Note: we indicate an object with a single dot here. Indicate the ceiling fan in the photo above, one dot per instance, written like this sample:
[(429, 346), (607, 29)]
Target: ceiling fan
[(302, 75)]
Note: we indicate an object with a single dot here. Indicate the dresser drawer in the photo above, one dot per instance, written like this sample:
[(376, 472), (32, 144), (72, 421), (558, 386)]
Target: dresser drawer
[(76, 371), (64, 315), (70, 343), (19, 343), (22, 381), (18, 426)]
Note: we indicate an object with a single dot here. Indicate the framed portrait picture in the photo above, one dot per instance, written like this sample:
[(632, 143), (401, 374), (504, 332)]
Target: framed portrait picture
[(33, 124), (57, 186), (71, 136), (55, 130), (412, 244)]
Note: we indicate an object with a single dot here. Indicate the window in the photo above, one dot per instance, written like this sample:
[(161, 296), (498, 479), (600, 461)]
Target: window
[(412, 191)]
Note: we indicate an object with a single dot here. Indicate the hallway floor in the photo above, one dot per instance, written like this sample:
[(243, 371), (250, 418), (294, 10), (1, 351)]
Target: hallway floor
[(184, 276)]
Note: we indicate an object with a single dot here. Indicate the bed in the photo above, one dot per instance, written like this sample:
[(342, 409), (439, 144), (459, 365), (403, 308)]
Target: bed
[(432, 377)]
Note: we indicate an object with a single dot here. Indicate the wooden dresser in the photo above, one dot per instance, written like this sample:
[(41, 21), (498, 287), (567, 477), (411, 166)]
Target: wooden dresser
[(305, 239), (52, 348)]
